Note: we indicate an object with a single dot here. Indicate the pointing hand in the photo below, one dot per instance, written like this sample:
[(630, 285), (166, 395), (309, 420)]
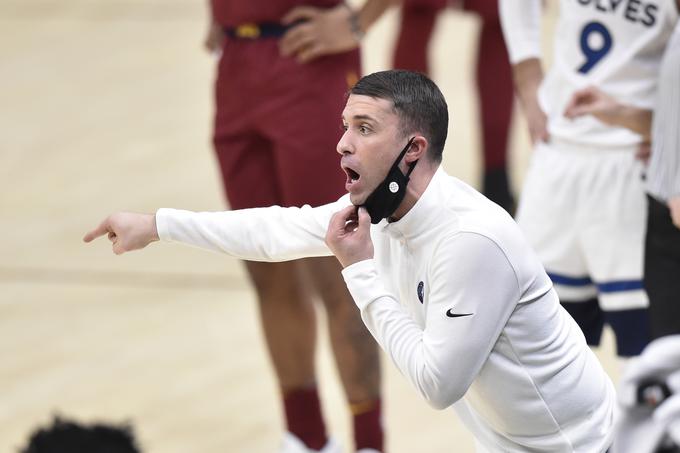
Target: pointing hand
[(127, 231)]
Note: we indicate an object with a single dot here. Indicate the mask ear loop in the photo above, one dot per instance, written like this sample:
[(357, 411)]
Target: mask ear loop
[(412, 165)]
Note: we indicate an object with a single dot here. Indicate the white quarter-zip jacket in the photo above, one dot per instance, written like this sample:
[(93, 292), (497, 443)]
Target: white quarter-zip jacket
[(461, 305)]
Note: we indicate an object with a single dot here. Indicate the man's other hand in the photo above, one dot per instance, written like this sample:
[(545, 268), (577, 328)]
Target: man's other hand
[(349, 236), (127, 231)]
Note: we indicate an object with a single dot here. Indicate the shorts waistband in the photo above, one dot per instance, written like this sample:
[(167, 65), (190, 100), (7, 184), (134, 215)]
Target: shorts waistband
[(262, 30), (567, 145)]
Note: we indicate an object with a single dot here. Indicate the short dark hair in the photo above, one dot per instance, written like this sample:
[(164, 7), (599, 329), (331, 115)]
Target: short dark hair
[(417, 100), (66, 436)]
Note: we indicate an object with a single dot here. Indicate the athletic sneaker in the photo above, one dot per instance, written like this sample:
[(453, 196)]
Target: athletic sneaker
[(291, 444)]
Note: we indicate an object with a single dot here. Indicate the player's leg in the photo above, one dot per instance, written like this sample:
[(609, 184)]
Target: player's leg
[(355, 351), (495, 93), (250, 180), (613, 238), (289, 325), (286, 310), (548, 213), (415, 30), (309, 169), (662, 270)]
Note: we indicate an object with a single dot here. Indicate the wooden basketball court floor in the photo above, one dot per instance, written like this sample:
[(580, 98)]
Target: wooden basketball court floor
[(105, 105)]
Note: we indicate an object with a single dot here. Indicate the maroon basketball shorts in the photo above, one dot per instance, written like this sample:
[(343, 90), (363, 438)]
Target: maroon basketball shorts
[(277, 124)]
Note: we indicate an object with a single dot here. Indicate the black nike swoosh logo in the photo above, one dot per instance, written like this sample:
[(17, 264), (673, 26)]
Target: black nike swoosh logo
[(451, 314)]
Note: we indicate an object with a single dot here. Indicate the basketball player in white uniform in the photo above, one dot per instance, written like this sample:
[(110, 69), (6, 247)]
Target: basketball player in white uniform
[(583, 203)]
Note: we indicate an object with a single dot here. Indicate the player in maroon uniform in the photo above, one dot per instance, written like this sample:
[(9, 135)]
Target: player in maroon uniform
[(276, 125)]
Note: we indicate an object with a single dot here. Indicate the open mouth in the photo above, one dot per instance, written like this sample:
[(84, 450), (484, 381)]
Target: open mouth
[(352, 175)]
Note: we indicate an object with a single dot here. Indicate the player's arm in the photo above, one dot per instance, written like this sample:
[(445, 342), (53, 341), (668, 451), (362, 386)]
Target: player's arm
[(443, 359), (329, 31), (214, 36), (521, 21), (262, 234), (593, 101)]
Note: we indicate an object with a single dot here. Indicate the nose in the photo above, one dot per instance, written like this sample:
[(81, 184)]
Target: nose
[(344, 144)]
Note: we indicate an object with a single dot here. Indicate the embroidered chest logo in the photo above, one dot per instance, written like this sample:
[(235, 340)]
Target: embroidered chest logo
[(421, 291), (451, 314)]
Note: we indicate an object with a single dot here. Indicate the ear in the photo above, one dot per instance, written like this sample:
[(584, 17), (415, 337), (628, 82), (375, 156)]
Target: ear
[(418, 149)]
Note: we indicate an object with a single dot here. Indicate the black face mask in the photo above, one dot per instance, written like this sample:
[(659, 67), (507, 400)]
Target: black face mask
[(385, 199)]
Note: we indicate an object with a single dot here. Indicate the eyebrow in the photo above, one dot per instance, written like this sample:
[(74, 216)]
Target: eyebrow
[(362, 117)]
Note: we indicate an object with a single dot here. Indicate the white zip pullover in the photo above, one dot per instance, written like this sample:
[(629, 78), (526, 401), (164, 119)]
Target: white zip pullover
[(461, 305)]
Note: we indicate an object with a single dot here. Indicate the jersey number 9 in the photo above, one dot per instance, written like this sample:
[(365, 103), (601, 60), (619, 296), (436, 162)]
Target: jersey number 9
[(594, 53)]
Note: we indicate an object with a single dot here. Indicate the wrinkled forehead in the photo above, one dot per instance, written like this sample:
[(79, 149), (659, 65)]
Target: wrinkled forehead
[(377, 109)]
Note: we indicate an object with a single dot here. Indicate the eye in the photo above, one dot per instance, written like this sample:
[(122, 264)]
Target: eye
[(344, 127), (364, 129)]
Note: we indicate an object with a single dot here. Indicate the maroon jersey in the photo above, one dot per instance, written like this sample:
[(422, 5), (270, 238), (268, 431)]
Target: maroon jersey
[(230, 13)]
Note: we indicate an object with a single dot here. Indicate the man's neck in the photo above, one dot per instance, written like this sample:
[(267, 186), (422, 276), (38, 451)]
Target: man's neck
[(418, 182)]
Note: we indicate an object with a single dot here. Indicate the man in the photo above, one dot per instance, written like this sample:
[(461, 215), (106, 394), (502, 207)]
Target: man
[(258, 154), (582, 206), (442, 276), (662, 242)]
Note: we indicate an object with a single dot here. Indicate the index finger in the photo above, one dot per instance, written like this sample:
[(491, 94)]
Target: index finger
[(364, 218), (341, 217), (101, 230)]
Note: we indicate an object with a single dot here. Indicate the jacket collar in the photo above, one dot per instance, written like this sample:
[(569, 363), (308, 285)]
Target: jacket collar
[(421, 217)]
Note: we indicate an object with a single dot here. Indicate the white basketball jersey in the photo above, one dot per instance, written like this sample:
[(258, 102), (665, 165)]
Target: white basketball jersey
[(616, 45)]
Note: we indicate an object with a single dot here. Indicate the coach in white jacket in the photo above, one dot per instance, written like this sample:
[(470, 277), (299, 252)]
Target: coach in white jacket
[(443, 277)]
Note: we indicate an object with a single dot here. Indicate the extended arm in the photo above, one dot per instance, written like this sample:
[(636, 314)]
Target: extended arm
[(263, 234), (442, 359)]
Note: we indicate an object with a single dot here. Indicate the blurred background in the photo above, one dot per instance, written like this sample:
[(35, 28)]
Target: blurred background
[(106, 105)]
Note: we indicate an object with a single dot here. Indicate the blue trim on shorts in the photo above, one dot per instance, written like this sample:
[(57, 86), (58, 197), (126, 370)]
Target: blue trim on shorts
[(569, 281), (606, 287), (620, 286)]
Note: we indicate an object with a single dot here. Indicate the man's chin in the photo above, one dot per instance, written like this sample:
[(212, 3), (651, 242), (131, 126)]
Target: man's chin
[(357, 200)]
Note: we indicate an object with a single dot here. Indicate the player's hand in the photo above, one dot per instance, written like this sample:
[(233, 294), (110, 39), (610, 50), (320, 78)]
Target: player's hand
[(593, 101), (349, 235), (674, 206), (537, 122), (127, 231), (322, 32), (214, 38)]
